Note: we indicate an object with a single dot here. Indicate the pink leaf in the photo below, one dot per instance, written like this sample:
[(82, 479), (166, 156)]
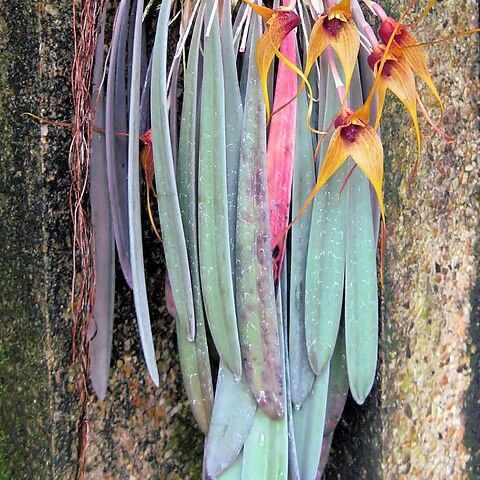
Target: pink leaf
[(281, 152)]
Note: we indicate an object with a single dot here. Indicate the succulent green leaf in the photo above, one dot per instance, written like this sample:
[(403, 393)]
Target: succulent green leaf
[(337, 385), (255, 292), (194, 356), (213, 229), (233, 414), (282, 309), (265, 454), (187, 162), (309, 423), (196, 373), (361, 294), (301, 374), (134, 214), (233, 122), (326, 257), (168, 205)]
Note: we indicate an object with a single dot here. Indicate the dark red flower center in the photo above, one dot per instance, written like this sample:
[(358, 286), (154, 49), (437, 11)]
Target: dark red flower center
[(289, 20), (386, 30), (350, 132), (374, 58), (387, 68), (333, 26), (343, 119)]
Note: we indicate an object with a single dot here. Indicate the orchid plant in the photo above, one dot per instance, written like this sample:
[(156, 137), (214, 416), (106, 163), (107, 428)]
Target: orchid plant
[(270, 231)]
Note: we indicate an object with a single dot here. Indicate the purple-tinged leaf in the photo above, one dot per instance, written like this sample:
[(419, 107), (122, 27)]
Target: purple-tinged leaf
[(255, 292), (101, 329), (134, 214), (116, 139), (145, 121), (266, 449), (326, 446)]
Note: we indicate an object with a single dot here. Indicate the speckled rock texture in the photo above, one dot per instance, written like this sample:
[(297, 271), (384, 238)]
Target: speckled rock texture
[(430, 384), (37, 411), (421, 421)]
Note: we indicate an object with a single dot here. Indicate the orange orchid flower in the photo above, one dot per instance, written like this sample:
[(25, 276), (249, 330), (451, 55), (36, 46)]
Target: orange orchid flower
[(412, 51), (353, 137), (396, 76), (337, 29), (279, 23)]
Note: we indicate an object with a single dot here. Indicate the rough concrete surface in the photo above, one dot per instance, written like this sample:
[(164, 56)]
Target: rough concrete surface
[(138, 431), (422, 422), (429, 389), (34, 235)]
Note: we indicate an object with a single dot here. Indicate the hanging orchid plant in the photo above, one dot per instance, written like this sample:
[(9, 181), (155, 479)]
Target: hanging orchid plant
[(269, 201)]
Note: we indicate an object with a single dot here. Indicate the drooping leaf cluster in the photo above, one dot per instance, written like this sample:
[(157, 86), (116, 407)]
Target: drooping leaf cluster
[(269, 229)]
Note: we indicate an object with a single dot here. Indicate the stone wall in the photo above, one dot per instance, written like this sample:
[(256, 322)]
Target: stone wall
[(138, 431)]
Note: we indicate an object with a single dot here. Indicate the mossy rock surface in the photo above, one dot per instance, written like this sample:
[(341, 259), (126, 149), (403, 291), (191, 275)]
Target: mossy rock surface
[(138, 431)]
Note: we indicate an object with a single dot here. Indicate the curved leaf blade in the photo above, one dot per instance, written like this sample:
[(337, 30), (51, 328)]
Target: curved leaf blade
[(301, 374), (233, 123), (101, 343), (325, 268), (309, 422), (213, 229), (233, 472), (117, 145), (265, 454), (168, 204), (361, 295), (134, 214), (255, 292), (230, 426)]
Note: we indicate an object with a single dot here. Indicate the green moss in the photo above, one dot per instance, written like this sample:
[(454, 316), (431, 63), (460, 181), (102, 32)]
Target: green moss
[(187, 442), (32, 291), (3, 469), (23, 374)]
